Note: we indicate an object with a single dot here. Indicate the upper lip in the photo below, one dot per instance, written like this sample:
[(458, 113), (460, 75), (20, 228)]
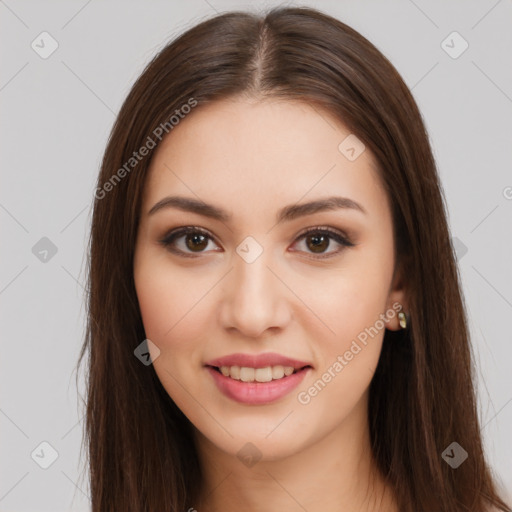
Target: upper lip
[(257, 361)]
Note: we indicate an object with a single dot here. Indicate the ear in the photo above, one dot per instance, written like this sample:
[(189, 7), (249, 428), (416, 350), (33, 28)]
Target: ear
[(397, 301)]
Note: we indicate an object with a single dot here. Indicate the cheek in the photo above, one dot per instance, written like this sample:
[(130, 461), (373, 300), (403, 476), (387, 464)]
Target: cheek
[(350, 308), (177, 316), (349, 356), (158, 304), (170, 304), (173, 316), (350, 304)]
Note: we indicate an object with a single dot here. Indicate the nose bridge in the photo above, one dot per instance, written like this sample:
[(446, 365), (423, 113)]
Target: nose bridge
[(251, 277), (255, 297)]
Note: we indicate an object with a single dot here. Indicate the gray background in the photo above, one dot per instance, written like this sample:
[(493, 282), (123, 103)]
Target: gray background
[(56, 115)]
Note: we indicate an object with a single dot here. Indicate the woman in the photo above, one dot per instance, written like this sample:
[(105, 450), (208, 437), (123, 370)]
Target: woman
[(275, 314)]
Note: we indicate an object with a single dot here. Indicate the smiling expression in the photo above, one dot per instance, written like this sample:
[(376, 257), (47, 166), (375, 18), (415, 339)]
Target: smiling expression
[(289, 251)]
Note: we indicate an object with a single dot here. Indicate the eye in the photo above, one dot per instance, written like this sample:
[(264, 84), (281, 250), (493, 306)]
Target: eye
[(318, 239), (196, 240)]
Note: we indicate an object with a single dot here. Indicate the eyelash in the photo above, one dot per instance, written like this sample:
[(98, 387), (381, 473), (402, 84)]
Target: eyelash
[(170, 238)]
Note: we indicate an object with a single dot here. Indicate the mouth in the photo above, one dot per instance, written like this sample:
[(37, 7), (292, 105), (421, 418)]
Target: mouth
[(258, 375), (257, 386)]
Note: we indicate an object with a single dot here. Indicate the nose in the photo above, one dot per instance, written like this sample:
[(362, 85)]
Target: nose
[(255, 298)]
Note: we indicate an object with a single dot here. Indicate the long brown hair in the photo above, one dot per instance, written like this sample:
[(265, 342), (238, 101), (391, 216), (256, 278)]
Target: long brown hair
[(141, 451)]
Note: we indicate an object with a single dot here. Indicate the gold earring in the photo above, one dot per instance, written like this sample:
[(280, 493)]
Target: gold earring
[(402, 319)]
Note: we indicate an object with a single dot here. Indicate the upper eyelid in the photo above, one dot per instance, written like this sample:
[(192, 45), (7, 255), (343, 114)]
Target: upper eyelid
[(191, 228), (328, 229)]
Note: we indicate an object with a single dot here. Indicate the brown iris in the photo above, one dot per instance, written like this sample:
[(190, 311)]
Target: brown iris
[(320, 242), (196, 241)]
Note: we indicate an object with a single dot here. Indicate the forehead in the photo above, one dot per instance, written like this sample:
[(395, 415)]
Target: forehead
[(243, 152)]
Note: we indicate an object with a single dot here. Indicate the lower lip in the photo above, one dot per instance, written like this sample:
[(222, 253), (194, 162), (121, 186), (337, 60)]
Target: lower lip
[(257, 393)]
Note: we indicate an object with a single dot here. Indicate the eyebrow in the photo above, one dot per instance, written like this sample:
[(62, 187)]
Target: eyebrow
[(288, 213)]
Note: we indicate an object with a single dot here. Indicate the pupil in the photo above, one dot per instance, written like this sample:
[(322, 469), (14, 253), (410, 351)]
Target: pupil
[(196, 241), (317, 242)]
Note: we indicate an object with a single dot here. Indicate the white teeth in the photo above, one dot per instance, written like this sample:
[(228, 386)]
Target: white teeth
[(277, 372), (263, 374), (247, 374), (234, 371)]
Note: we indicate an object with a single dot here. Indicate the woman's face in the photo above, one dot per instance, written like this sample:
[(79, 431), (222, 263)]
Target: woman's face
[(245, 281)]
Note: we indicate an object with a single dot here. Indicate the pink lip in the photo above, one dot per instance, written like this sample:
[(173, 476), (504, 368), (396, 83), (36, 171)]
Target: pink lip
[(257, 361), (257, 393)]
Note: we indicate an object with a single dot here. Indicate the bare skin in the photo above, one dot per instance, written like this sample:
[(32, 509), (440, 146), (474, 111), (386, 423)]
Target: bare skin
[(252, 158)]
